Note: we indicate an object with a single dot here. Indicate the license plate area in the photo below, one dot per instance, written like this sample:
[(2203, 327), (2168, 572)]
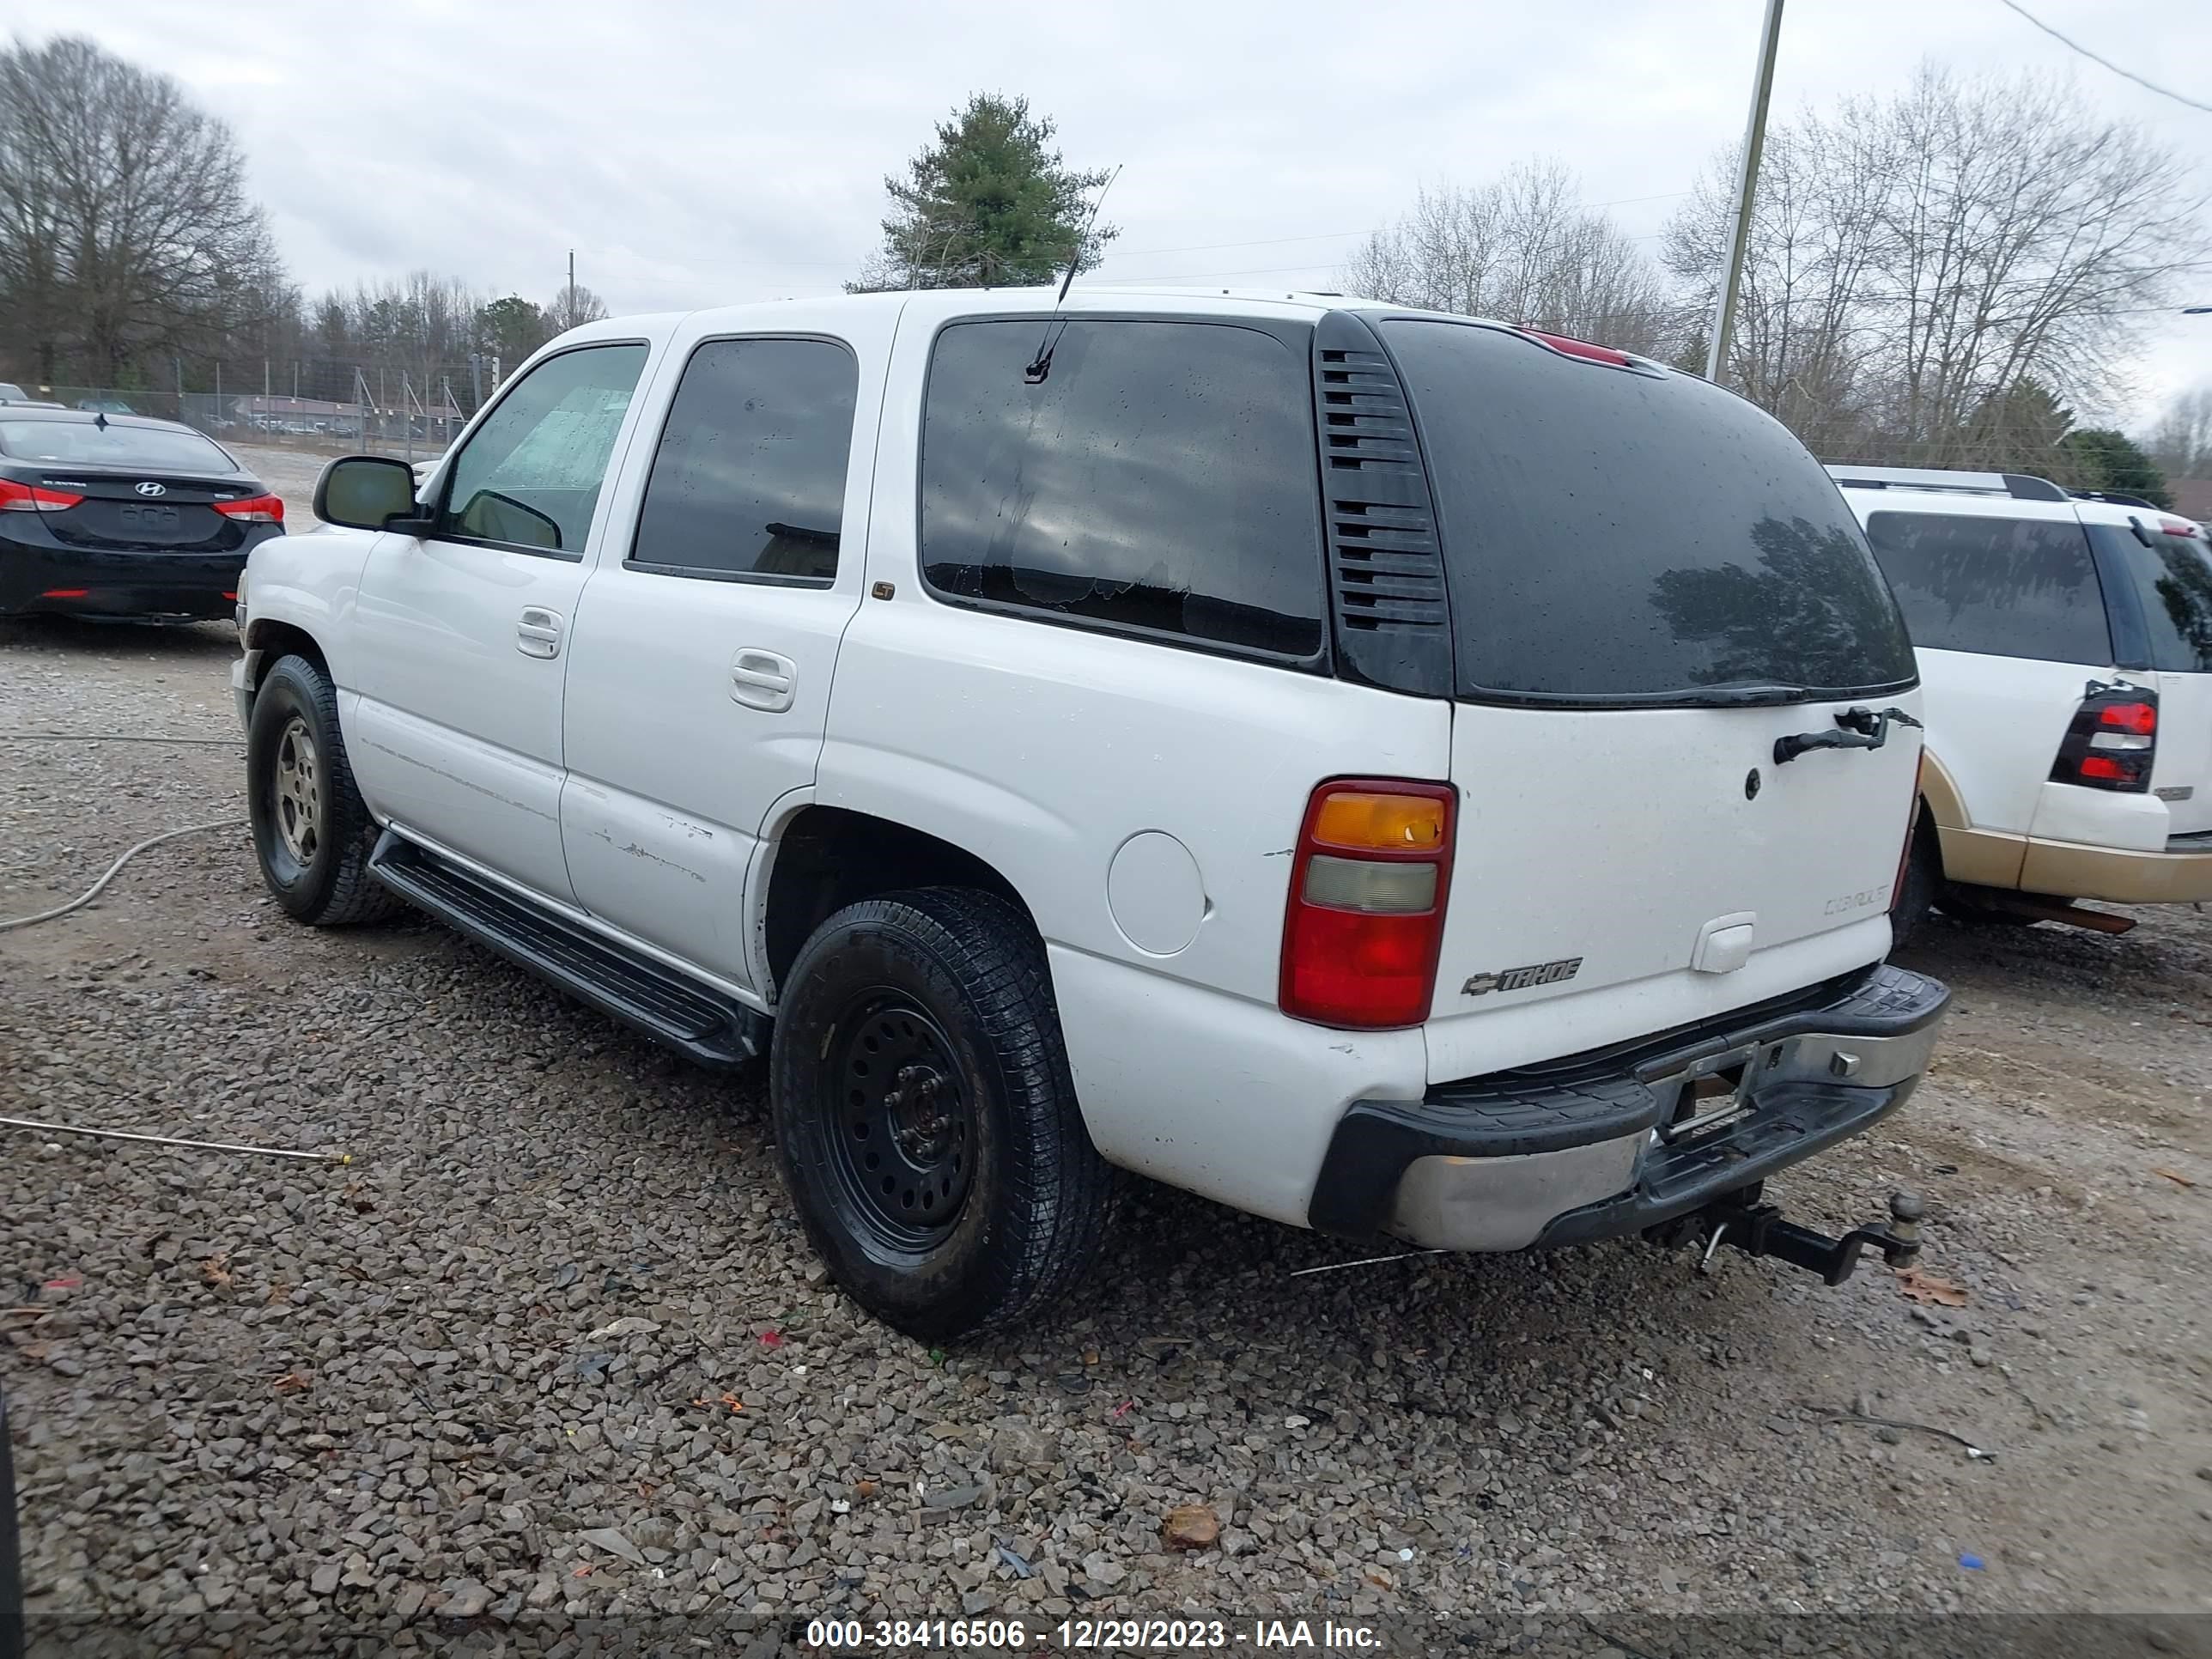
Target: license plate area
[(1717, 1090), (157, 520)]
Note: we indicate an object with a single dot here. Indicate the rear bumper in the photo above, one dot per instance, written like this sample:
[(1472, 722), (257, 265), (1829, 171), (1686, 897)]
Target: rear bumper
[(126, 585), (2069, 869), (1575, 1153)]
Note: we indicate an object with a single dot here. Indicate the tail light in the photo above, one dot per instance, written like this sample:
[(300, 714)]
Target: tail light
[(1366, 913), (29, 498), (2111, 741), (2188, 527), (253, 509)]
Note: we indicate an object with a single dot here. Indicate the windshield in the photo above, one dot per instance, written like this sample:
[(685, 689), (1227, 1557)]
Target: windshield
[(1617, 536), (86, 443)]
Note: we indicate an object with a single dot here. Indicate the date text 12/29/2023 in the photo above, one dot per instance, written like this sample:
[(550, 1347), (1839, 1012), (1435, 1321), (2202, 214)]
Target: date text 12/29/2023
[(1089, 1635)]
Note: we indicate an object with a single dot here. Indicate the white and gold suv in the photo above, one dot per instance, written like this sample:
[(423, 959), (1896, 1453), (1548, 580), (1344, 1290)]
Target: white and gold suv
[(2065, 650)]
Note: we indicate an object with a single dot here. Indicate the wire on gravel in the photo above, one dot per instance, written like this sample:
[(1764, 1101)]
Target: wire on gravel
[(106, 737), (173, 1140), (94, 891)]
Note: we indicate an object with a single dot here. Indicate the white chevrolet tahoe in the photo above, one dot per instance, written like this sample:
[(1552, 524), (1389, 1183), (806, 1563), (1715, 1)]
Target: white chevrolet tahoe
[(2065, 643), (1390, 773)]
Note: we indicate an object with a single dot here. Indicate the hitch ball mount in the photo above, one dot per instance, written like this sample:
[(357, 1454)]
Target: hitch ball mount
[(1742, 1222)]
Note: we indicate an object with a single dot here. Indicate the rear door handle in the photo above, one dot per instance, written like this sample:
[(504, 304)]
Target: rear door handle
[(537, 632), (763, 680)]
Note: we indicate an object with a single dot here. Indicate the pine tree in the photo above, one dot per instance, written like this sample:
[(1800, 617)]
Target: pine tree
[(2105, 459), (987, 205)]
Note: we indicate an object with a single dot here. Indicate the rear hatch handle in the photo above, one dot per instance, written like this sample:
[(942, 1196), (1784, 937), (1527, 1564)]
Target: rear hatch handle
[(1856, 728)]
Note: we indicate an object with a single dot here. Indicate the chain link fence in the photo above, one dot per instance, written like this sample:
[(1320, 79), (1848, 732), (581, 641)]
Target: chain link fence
[(322, 408)]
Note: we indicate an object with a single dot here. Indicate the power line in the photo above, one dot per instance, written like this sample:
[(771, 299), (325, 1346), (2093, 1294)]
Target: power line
[(2153, 86)]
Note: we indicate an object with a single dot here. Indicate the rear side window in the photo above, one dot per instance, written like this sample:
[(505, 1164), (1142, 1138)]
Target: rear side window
[(2005, 587), (87, 443), (748, 483), (1626, 537), (1160, 481)]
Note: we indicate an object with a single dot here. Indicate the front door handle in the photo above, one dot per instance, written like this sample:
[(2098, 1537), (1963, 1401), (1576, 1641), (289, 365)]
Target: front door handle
[(763, 680), (537, 632)]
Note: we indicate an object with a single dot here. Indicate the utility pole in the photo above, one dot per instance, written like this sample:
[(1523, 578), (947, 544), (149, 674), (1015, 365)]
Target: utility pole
[(568, 310), (1747, 188)]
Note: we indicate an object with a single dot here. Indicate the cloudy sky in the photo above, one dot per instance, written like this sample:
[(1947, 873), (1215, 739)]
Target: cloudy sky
[(696, 152)]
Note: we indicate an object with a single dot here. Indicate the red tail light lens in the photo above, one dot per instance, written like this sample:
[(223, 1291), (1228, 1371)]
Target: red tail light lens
[(253, 509), (1572, 347), (2112, 740), (29, 498), (1366, 913)]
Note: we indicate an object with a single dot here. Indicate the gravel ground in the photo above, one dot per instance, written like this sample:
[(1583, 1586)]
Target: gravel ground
[(551, 1351)]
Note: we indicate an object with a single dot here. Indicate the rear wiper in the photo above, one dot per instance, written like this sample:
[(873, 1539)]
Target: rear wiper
[(1740, 696), (1856, 728)]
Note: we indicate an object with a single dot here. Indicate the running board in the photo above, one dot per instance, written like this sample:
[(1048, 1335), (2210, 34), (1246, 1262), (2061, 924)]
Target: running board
[(697, 1021)]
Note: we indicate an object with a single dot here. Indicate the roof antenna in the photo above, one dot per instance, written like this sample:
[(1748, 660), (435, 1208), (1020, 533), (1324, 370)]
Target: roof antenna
[(1035, 373), (100, 419)]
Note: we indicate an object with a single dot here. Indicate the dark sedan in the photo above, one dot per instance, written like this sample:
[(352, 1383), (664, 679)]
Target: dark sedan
[(122, 518)]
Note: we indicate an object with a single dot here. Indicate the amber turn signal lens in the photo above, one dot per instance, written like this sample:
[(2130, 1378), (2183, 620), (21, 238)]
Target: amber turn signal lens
[(1389, 824)]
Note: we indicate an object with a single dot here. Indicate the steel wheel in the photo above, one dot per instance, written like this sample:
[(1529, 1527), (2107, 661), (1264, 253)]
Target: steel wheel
[(299, 792), (899, 1123)]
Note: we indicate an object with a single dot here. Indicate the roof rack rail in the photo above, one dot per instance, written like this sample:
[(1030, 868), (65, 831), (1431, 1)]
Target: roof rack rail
[(2114, 498), (2020, 486)]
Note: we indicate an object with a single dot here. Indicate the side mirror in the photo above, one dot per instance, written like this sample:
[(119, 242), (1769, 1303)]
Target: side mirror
[(367, 492)]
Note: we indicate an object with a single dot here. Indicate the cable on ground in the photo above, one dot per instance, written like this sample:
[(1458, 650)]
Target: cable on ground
[(94, 891)]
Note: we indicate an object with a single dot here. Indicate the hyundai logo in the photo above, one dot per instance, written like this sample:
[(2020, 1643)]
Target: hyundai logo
[(150, 488)]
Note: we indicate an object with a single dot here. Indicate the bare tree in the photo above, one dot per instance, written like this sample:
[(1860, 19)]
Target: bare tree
[(572, 306), (1523, 249), (2181, 442), (126, 233), (1916, 259)]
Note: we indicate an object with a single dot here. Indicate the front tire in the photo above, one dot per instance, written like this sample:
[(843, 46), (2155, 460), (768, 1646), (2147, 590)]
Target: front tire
[(924, 1117), (312, 833)]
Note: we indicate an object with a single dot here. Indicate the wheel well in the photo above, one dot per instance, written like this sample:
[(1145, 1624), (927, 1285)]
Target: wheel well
[(828, 858), (276, 638)]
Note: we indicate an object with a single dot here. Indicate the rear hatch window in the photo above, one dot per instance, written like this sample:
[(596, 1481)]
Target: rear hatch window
[(2172, 577), (1630, 538), (87, 443), (2002, 587)]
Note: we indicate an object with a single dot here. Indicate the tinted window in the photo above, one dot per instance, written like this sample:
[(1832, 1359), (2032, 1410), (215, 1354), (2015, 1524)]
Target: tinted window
[(2173, 576), (1621, 537), (84, 443), (749, 479), (1161, 479), (2006, 587), (530, 474)]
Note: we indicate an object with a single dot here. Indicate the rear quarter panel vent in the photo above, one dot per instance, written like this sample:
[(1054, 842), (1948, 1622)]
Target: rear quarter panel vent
[(1391, 622)]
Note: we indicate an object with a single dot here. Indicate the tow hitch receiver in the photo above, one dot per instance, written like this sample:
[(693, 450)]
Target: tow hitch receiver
[(1744, 1224)]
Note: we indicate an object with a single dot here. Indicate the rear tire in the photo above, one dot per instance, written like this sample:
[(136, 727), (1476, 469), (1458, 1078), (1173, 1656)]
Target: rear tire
[(1917, 888), (312, 833), (924, 1117)]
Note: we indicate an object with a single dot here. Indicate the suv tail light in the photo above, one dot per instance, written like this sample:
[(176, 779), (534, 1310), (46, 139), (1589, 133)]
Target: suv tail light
[(29, 498), (2112, 740), (1366, 913), (253, 509)]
